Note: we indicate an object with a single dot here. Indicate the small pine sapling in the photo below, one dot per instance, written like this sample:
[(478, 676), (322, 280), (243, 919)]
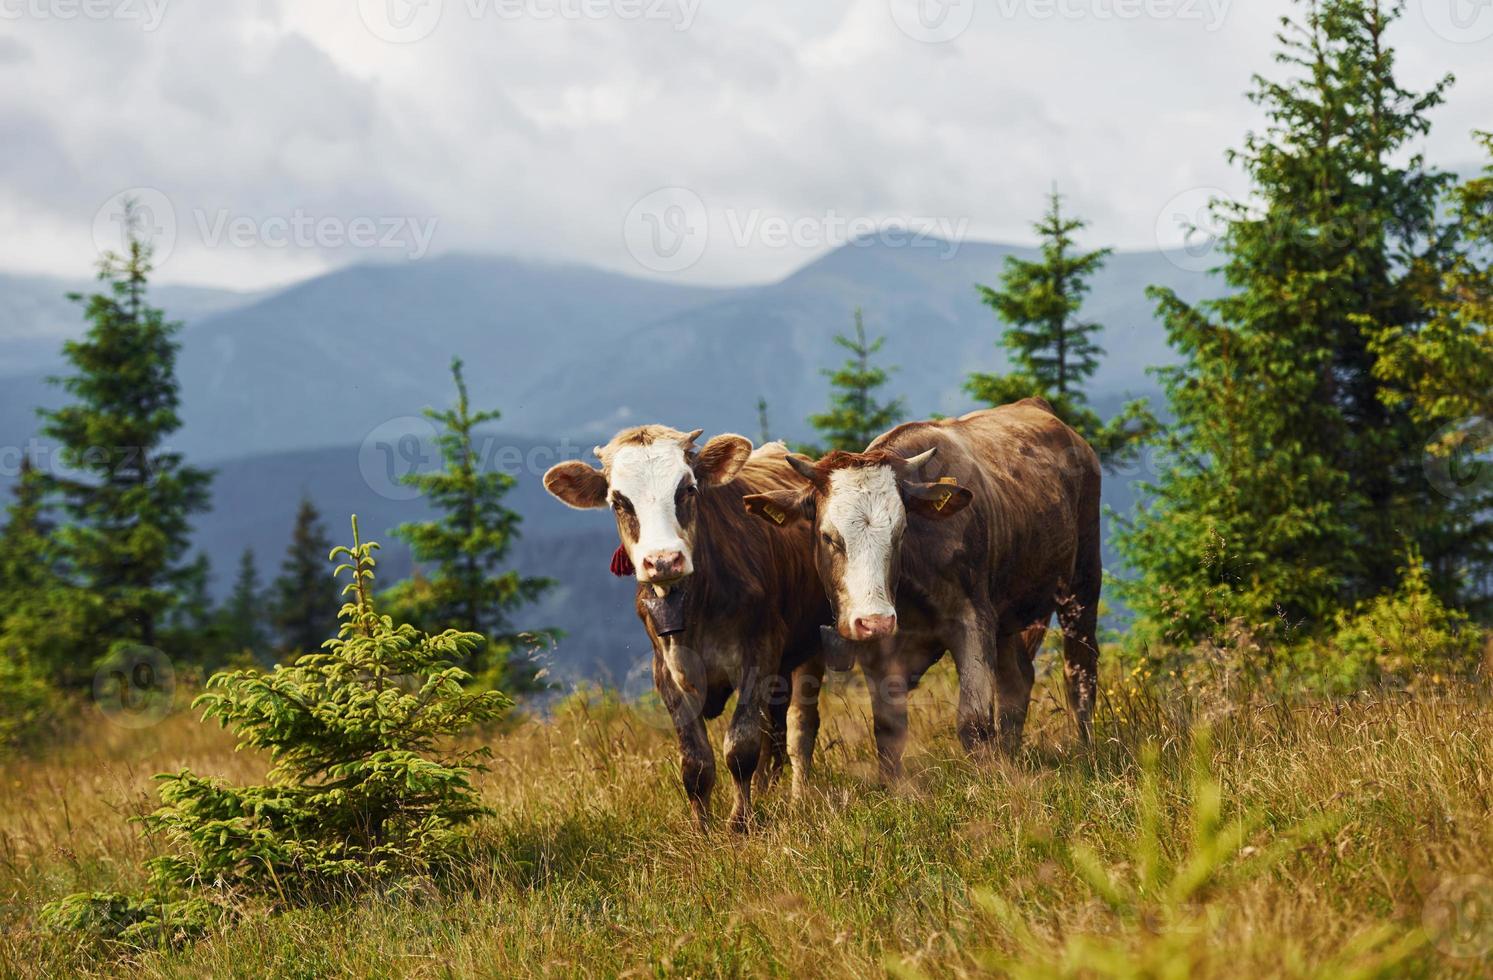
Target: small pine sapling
[(366, 789)]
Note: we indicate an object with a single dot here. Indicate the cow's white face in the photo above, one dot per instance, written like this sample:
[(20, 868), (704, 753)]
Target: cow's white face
[(859, 505), (652, 478), (862, 522), (651, 489)]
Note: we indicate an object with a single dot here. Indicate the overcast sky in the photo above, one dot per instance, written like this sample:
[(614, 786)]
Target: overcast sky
[(707, 141)]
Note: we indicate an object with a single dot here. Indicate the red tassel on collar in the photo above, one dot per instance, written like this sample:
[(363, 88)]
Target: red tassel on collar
[(621, 564)]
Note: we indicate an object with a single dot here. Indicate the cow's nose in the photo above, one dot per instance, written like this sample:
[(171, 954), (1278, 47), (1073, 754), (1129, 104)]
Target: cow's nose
[(874, 627), (663, 565)]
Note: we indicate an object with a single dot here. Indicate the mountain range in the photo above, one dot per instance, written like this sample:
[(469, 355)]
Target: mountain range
[(317, 388)]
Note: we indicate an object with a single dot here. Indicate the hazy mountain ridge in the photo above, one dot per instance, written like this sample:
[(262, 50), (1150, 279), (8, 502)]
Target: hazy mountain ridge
[(707, 366), (347, 360), (36, 315)]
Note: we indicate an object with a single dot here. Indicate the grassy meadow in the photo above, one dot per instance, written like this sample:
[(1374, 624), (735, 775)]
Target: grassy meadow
[(1201, 836)]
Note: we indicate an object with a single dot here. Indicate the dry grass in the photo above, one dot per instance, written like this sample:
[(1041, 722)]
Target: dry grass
[(1353, 814)]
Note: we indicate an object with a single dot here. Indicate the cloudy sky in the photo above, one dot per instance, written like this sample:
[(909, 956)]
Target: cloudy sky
[(701, 140)]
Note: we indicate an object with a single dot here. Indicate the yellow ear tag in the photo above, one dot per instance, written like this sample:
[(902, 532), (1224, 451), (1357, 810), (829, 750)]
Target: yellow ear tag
[(947, 481), (773, 513)]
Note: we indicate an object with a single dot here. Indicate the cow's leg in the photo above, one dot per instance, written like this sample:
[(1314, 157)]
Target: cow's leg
[(744, 745), (696, 760), (1015, 673), (887, 678), (803, 721), (974, 648), (779, 696), (1078, 614)]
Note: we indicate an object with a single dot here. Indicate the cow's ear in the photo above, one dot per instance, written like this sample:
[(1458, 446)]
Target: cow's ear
[(781, 507), (935, 500), (721, 459), (577, 484)]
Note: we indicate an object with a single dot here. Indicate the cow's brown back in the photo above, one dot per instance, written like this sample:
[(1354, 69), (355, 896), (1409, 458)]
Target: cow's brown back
[(1036, 504)]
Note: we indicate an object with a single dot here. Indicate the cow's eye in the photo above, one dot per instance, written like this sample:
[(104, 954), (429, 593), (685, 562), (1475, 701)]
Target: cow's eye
[(829, 540)]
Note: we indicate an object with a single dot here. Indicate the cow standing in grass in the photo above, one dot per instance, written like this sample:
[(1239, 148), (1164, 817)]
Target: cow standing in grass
[(729, 604), (963, 535)]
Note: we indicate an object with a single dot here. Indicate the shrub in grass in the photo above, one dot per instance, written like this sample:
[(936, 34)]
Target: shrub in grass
[(365, 789), (1408, 639), (32, 706)]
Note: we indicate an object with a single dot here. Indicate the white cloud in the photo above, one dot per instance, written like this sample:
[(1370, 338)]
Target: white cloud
[(535, 130)]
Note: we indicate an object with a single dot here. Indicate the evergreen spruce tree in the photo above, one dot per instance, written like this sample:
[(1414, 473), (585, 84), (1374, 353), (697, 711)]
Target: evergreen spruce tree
[(44, 620), (1296, 486), (300, 599), (41, 629), (1442, 369), (369, 786), (855, 416), (1440, 372), (1052, 350), (193, 622), (27, 564), (764, 430), (243, 615), (462, 551), (127, 498)]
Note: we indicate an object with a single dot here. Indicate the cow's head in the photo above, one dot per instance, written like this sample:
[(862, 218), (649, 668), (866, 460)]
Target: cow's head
[(651, 477), (859, 504)]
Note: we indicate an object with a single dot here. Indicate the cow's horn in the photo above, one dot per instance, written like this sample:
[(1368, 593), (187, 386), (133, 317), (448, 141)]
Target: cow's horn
[(804, 467), (913, 462), (689, 440)]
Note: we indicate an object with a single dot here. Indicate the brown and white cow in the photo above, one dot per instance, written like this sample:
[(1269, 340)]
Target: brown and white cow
[(747, 601), (963, 535)]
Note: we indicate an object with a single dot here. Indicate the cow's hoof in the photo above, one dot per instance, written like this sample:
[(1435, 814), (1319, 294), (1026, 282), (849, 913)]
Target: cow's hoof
[(741, 824)]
